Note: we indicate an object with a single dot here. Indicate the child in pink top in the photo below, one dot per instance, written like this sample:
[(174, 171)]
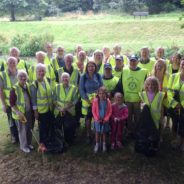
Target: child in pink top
[(118, 117), (101, 109)]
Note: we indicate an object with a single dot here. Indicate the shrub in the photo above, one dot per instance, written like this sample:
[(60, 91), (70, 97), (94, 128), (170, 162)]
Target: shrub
[(30, 44)]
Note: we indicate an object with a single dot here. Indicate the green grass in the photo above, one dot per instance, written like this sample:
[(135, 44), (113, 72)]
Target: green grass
[(95, 31)]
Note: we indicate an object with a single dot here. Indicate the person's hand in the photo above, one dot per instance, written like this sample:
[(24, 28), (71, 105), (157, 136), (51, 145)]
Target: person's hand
[(116, 119), (36, 115), (4, 108), (21, 116)]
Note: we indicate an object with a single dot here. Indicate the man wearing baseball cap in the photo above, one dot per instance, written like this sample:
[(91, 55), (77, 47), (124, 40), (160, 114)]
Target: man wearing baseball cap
[(118, 69)]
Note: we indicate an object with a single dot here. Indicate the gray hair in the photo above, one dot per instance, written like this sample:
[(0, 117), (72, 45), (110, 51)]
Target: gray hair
[(40, 66), (40, 53), (14, 48), (64, 74), (68, 55), (11, 58), (20, 72)]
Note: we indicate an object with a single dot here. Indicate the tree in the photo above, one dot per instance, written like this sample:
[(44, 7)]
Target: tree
[(12, 5)]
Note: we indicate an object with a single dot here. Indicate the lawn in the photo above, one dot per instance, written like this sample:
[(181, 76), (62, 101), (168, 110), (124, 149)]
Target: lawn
[(95, 31)]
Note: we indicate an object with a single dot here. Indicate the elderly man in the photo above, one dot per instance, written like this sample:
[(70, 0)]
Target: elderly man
[(7, 79), (49, 55)]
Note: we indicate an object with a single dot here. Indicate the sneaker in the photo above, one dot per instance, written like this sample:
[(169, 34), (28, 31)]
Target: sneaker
[(119, 144), (112, 146), (96, 148), (25, 150), (104, 149), (31, 147)]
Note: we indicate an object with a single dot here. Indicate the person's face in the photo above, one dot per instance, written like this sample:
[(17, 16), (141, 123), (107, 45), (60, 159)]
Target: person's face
[(119, 99), (22, 79), (151, 87), (106, 51), (119, 64), (14, 53), (159, 66), (175, 59), (160, 53), (60, 52), (98, 56), (108, 72), (65, 80), (12, 64), (91, 68), (117, 51), (145, 53), (49, 48), (79, 48), (68, 61), (40, 58), (133, 64), (40, 73), (102, 94), (82, 56)]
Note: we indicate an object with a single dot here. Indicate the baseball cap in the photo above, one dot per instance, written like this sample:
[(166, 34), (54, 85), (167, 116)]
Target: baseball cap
[(107, 65), (119, 57), (133, 58)]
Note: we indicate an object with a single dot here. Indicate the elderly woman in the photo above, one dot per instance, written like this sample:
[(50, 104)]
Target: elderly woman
[(176, 101), (65, 97), (90, 82), (7, 79), (20, 101), (21, 64), (81, 62), (107, 55), (40, 57), (68, 68), (41, 95)]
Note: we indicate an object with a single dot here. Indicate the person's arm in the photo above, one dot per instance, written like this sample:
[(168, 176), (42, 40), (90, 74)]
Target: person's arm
[(82, 88), (119, 87), (124, 114), (94, 110), (33, 91), (2, 95), (109, 111)]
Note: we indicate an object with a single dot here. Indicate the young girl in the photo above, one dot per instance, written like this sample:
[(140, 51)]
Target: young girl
[(101, 109), (118, 117)]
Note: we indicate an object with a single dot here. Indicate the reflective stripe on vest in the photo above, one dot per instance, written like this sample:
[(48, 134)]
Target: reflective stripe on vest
[(44, 101), (63, 99)]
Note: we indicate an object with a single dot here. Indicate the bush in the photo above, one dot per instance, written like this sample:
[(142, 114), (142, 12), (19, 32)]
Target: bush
[(3, 44), (30, 44)]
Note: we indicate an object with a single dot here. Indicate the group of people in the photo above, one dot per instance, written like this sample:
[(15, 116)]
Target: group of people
[(111, 91)]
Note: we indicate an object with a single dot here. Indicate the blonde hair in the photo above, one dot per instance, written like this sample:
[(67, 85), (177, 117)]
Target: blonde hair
[(154, 81), (164, 65)]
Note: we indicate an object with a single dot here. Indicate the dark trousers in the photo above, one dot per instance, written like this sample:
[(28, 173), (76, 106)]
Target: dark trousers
[(45, 126), (68, 123), (12, 125)]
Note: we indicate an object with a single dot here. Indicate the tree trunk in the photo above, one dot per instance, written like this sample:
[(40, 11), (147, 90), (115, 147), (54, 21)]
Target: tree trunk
[(12, 9)]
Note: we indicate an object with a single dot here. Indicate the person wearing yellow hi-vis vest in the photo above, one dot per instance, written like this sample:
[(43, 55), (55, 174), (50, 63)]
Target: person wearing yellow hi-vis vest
[(49, 70), (7, 79), (65, 97), (58, 61), (90, 82), (153, 98), (176, 102), (41, 95), (130, 84), (174, 65), (118, 69), (98, 59), (50, 55), (21, 64), (20, 101), (117, 52), (68, 68), (80, 64), (109, 81), (108, 58), (145, 61)]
